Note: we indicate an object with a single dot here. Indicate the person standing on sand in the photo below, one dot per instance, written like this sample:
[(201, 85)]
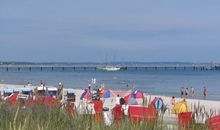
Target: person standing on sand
[(192, 92), (90, 90), (173, 102), (204, 92), (182, 92), (117, 100), (187, 92)]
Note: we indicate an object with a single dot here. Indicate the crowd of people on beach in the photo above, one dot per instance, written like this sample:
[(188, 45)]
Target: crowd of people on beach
[(190, 93), (95, 90)]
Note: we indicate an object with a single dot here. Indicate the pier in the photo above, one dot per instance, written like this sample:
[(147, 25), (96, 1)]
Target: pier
[(95, 67)]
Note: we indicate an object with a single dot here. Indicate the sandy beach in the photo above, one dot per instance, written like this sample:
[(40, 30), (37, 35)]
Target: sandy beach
[(209, 105), (212, 108)]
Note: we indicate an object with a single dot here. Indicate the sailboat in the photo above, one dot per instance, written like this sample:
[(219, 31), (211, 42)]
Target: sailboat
[(110, 67)]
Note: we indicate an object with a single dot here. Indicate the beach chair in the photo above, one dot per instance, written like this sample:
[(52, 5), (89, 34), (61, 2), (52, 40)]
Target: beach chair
[(141, 113), (184, 119), (70, 107), (117, 112), (49, 102), (71, 97), (214, 123), (12, 99), (98, 106)]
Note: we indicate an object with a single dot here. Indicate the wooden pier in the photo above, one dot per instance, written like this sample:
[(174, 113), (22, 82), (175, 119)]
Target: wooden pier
[(124, 67)]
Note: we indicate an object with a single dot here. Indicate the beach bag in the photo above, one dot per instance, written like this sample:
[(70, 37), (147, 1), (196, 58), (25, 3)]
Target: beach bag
[(105, 109)]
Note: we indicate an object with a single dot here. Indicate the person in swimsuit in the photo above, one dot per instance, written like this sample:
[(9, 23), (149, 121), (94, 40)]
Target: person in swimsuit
[(204, 92)]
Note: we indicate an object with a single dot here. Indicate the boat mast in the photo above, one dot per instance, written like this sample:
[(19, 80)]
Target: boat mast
[(106, 59), (114, 61)]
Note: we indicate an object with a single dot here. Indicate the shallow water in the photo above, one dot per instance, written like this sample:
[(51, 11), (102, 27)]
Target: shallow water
[(161, 82)]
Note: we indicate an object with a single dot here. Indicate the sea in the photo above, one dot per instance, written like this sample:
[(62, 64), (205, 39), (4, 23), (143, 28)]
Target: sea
[(151, 81)]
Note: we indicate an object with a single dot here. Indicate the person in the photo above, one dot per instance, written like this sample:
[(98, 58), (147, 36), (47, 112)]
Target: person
[(90, 90), (182, 92), (122, 101), (170, 107), (50, 94), (41, 83), (192, 92), (102, 86), (60, 84), (117, 100), (187, 92), (89, 86), (204, 92), (173, 102), (93, 81), (29, 84)]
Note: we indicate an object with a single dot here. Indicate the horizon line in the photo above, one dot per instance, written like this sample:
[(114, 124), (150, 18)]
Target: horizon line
[(111, 62)]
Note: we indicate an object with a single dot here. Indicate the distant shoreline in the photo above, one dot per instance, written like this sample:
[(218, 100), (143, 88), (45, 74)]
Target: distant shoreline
[(111, 62)]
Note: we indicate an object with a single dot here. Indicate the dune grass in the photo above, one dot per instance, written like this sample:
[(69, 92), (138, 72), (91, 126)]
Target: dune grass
[(42, 118)]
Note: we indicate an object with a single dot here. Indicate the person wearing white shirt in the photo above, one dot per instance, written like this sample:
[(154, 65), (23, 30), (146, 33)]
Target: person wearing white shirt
[(117, 100)]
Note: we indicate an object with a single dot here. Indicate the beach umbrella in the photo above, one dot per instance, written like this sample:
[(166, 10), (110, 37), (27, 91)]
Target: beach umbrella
[(157, 103), (137, 94), (127, 98), (180, 107), (85, 95), (107, 94), (132, 101)]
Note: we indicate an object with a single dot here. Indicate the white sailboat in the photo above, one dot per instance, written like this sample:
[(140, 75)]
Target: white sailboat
[(110, 68)]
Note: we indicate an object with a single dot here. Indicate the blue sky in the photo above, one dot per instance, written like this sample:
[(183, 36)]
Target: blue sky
[(82, 31)]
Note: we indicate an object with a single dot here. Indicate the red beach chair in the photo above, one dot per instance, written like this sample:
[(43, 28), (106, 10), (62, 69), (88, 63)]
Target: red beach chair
[(140, 113), (47, 101), (117, 112), (184, 118), (70, 107), (51, 102), (214, 123), (98, 106), (13, 99)]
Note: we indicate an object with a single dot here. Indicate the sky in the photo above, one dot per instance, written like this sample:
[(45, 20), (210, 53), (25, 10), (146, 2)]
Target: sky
[(99, 30)]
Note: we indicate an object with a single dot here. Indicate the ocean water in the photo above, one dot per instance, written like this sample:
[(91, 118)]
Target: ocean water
[(160, 82)]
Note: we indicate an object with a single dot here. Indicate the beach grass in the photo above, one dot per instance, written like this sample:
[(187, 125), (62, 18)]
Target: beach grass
[(43, 118)]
